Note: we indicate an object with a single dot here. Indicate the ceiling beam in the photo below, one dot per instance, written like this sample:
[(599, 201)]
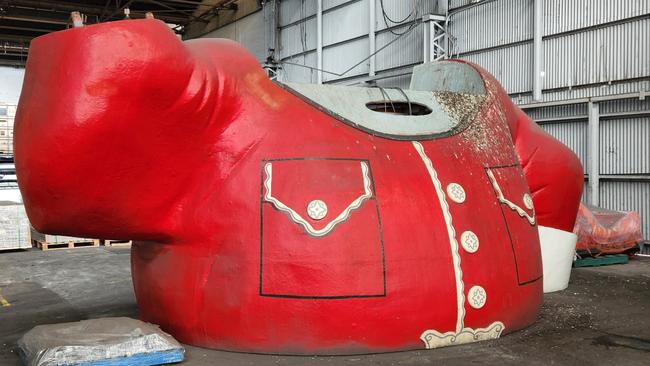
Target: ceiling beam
[(28, 29), (17, 54), (24, 18), (14, 38), (59, 6), (12, 63), (96, 11)]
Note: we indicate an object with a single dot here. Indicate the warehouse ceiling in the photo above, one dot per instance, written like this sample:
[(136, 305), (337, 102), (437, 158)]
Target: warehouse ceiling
[(23, 20)]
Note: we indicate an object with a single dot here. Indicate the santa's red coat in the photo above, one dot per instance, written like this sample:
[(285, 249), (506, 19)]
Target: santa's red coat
[(187, 148)]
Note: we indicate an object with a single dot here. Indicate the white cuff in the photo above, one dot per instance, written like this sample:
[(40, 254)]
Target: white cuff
[(558, 251)]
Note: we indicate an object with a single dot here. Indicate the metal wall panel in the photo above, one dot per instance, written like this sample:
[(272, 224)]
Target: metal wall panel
[(402, 81), (348, 22), (573, 135), (628, 196), (328, 4), (403, 10), (404, 51), (492, 24), (625, 105), (512, 66), (298, 38), (250, 31), (559, 111), (294, 10), (568, 15), (597, 56), (625, 146), (298, 74), (354, 81), (458, 3), (340, 58), (585, 92)]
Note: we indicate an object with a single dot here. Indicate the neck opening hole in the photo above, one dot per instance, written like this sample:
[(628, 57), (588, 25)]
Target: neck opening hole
[(399, 108)]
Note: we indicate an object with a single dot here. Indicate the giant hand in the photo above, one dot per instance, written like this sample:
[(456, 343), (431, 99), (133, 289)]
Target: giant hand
[(283, 219), (555, 179)]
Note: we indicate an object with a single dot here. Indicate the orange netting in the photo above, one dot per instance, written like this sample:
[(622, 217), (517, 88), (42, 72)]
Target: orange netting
[(602, 231)]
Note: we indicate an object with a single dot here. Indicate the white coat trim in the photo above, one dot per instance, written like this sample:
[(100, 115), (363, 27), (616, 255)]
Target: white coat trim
[(295, 217), (558, 249), (455, 251), (502, 199), (435, 339)]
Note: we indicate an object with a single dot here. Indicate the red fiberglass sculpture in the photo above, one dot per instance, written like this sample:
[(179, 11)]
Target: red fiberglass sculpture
[(288, 218)]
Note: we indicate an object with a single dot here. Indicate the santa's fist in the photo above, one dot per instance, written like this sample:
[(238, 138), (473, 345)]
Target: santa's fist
[(555, 179)]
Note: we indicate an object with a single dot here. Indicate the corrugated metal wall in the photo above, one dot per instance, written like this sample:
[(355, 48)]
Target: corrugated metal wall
[(346, 41), (590, 48), (510, 21), (251, 31), (585, 41), (626, 196)]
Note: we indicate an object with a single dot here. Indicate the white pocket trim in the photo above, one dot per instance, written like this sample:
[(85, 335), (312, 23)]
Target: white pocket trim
[(502, 199), (298, 219)]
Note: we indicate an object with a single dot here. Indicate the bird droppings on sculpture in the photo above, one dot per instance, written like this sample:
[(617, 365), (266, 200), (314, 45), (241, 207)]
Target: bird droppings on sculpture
[(291, 218)]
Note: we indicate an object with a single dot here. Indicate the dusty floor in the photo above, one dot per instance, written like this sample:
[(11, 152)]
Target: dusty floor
[(603, 318)]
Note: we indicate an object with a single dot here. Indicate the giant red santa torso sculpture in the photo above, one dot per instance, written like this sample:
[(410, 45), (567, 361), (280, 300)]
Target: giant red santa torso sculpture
[(266, 220)]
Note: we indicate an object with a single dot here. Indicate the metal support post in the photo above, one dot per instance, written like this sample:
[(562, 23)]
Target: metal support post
[(372, 66), (593, 153), (537, 49), (319, 41), (435, 34)]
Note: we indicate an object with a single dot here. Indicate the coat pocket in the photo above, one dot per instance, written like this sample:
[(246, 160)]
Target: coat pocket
[(320, 230), (511, 190)]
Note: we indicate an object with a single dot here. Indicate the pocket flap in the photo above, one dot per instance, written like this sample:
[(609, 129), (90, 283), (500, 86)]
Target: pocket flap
[(512, 193), (318, 195)]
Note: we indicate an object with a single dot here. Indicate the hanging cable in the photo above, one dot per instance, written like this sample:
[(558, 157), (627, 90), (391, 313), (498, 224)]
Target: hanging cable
[(387, 18), (415, 11), (386, 96), (415, 22), (405, 97)]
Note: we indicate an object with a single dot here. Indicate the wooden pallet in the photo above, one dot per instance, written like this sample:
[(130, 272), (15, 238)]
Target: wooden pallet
[(90, 243), (118, 243), (604, 260)]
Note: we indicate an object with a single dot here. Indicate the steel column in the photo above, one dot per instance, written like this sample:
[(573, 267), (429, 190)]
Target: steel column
[(319, 41), (537, 49), (426, 46), (371, 35), (593, 151), (435, 35)]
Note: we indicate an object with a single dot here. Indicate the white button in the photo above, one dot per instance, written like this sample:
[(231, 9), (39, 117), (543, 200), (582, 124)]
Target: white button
[(469, 241), (317, 209), (476, 297), (528, 201), (456, 192)]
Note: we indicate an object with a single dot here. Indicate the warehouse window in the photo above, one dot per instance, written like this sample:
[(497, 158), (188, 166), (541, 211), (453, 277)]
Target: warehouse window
[(3, 111)]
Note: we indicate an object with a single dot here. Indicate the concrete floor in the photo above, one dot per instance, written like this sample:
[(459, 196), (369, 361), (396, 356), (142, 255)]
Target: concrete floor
[(602, 318)]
